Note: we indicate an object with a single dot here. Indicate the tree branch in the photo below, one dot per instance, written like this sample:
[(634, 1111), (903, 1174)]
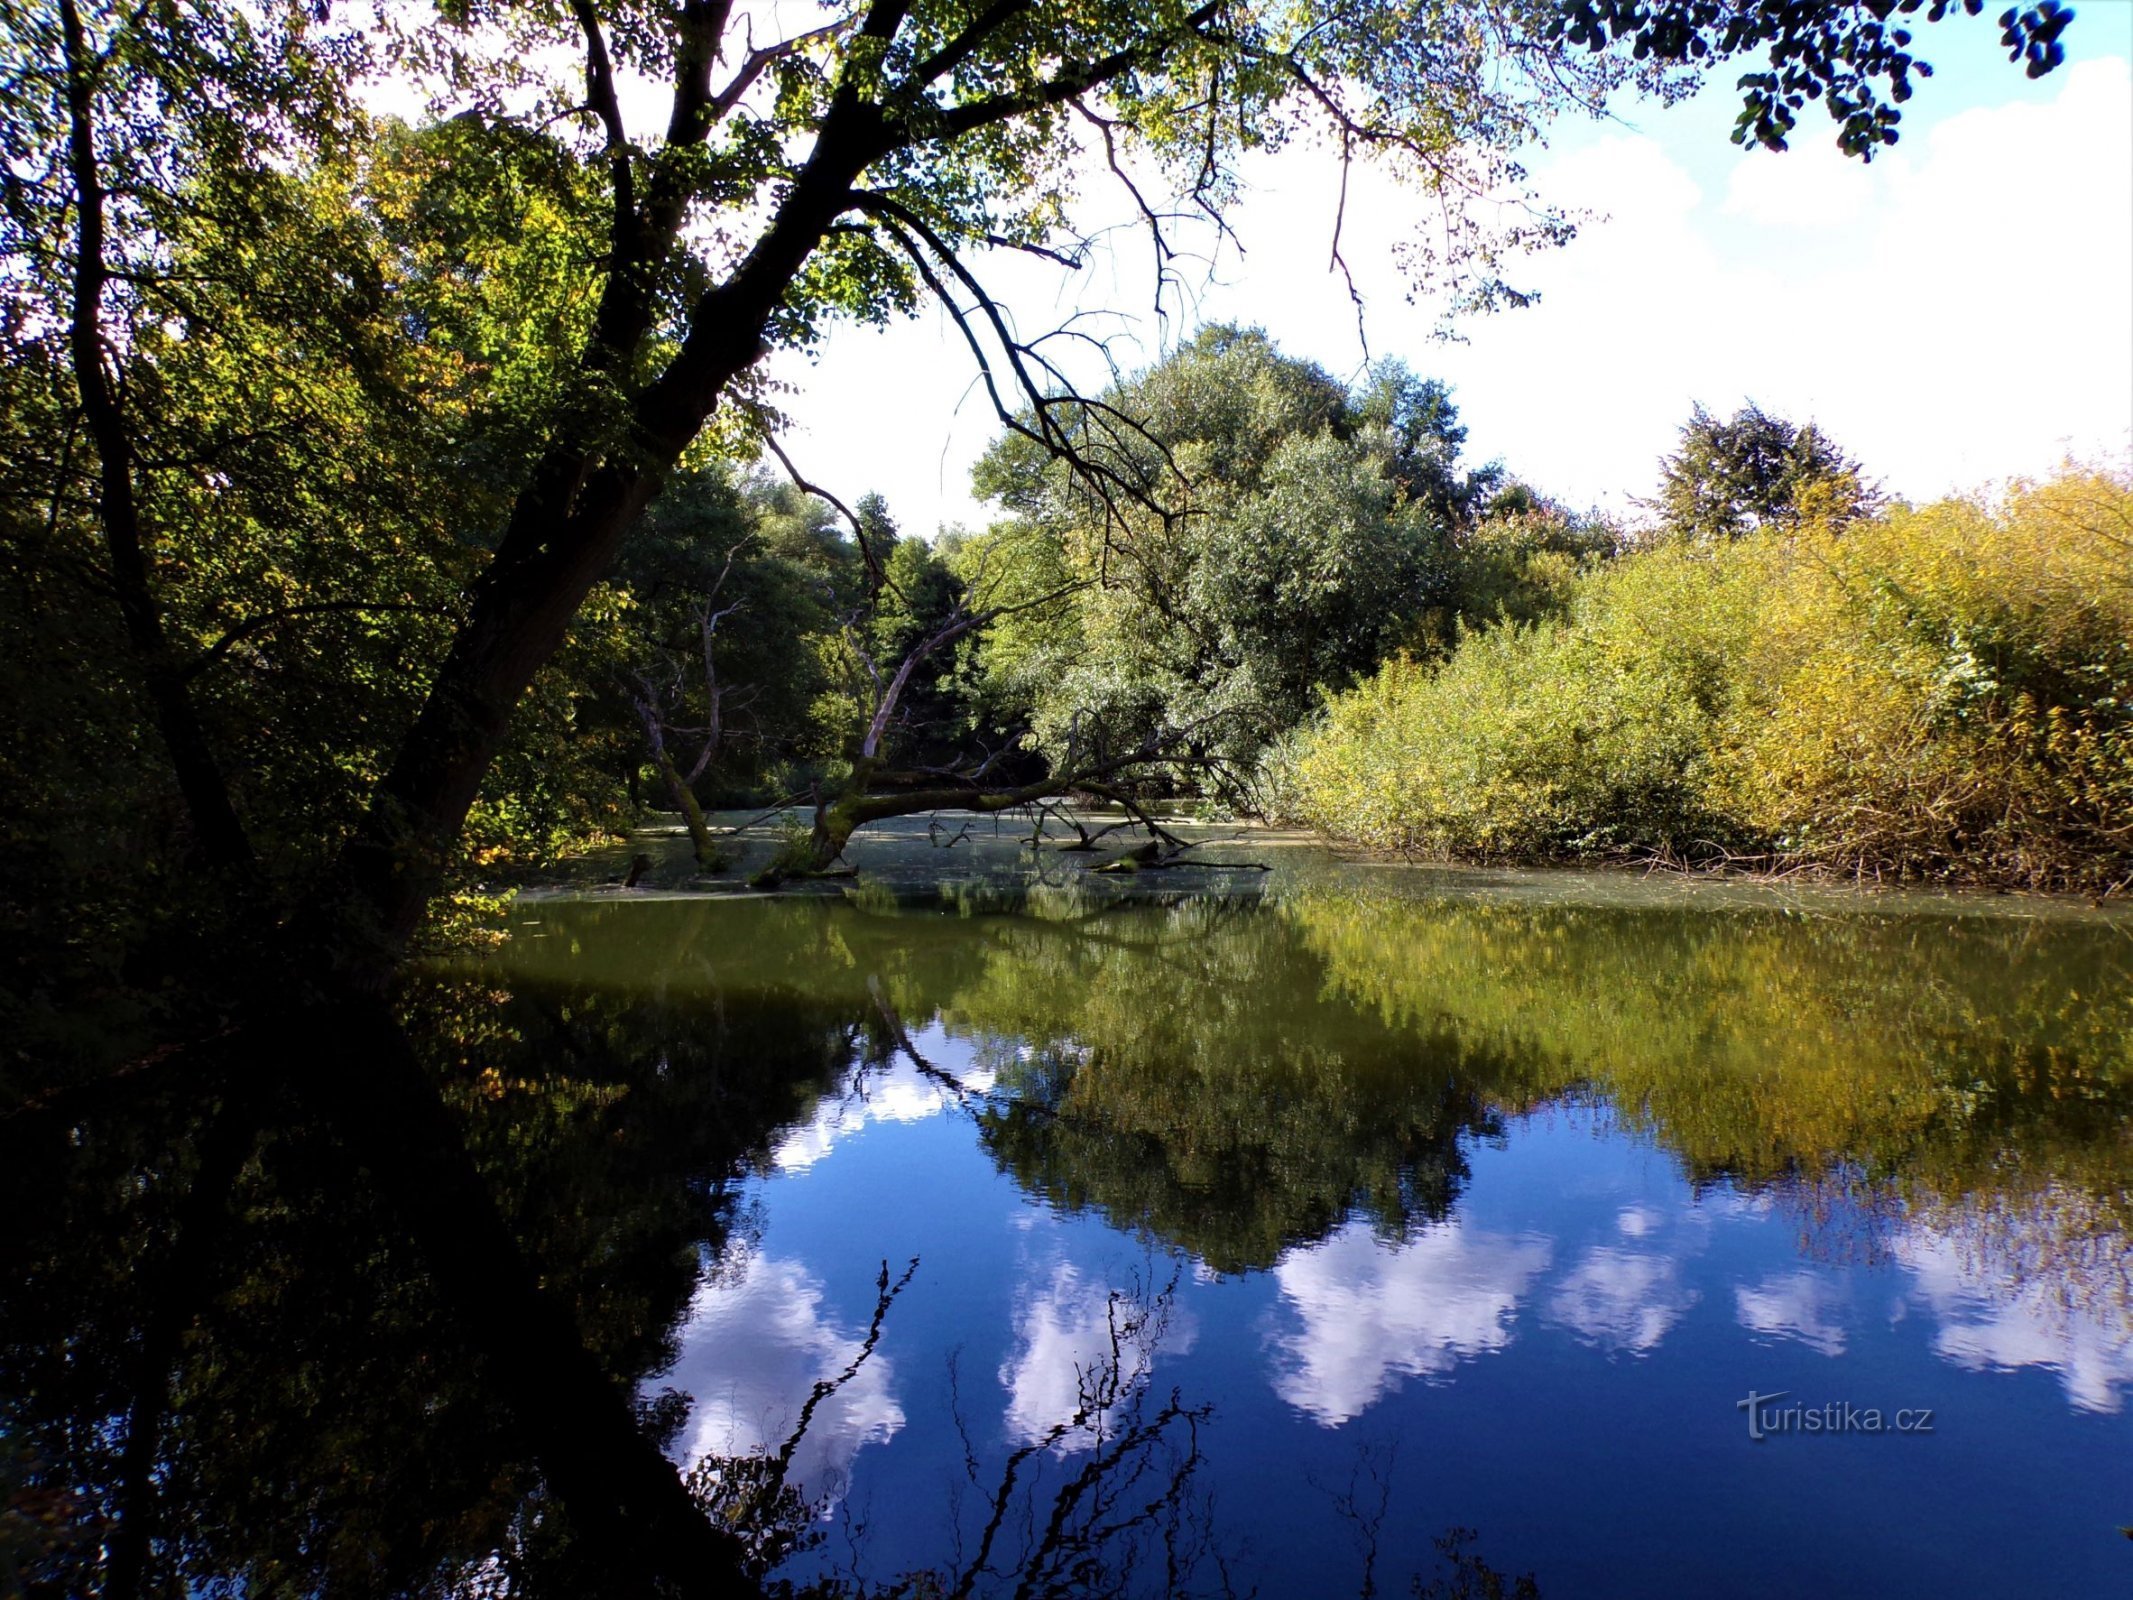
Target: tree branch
[(207, 797), (600, 94), (1071, 80)]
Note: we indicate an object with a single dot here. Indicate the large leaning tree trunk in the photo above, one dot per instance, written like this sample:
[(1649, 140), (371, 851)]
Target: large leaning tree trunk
[(872, 790), (607, 459)]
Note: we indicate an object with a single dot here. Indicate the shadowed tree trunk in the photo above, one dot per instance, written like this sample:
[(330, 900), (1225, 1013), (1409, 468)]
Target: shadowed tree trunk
[(677, 786), (873, 791)]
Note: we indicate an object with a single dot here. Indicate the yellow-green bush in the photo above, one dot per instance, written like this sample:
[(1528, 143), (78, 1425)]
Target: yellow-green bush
[(1945, 691)]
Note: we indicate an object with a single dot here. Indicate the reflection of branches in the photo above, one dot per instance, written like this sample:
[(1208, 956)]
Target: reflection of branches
[(902, 1037), (751, 1494), (1364, 1506), (1471, 1578), (1130, 1502), (1124, 1521), (621, 1494)]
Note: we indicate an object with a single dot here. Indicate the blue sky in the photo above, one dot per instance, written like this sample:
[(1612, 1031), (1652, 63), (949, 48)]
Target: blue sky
[(1956, 313)]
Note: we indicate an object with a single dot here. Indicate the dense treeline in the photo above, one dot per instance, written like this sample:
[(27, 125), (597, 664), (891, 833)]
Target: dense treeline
[(1345, 624), (1777, 668)]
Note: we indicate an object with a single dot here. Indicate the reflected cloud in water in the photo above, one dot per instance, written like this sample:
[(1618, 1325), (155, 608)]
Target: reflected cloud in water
[(756, 1342), (1624, 1301), (1988, 1322), (898, 1092), (1362, 1313), (1075, 1334), (1800, 1306)]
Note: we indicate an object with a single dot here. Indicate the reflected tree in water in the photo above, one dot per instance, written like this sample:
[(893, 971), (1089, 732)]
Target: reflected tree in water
[(225, 1338), (252, 1342)]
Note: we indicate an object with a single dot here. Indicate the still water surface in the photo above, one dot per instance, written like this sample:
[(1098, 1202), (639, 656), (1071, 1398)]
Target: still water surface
[(1329, 1231), (1371, 1235)]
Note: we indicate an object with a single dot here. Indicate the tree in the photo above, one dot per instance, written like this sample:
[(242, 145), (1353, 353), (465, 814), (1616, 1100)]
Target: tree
[(1729, 477), (907, 733), (728, 598), (889, 143), (1318, 526)]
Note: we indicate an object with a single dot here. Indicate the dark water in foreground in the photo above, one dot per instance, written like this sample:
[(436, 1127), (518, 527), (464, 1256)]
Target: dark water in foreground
[(1324, 1246)]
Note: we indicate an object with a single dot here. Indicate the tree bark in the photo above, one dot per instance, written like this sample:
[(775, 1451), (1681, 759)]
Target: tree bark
[(678, 790)]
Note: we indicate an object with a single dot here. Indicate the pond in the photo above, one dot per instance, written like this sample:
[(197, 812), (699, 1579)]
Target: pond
[(1352, 1219), (1334, 1230)]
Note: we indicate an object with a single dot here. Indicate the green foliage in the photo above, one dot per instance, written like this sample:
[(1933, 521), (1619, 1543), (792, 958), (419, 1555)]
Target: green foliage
[(726, 600), (1316, 530), (336, 376), (1756, 471), (1951, 689), (1856, 60), (1582, 735), (1944, 692), (921, 591), (354, 360), (1518, 563)]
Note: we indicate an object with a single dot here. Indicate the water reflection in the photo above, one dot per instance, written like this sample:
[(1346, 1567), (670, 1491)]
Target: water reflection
[(1622, 1300), (1367, 1312), (1209, 1201), (1805, 1306), (759, 1343), (1988, 1320), (1068, 1326), (890, 1091)]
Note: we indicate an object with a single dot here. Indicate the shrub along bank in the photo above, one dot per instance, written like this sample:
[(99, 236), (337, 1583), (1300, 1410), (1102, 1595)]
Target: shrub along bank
[(1940, 692)]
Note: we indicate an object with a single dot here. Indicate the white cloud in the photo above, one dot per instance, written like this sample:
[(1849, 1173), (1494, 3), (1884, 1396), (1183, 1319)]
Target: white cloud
[(1794, 1305), (1990, 1323), (1957, 312), (1063, 1370), (897, 1093), (756, 1343), (1363, 1313), (1815, 186), (1621, 1300)]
